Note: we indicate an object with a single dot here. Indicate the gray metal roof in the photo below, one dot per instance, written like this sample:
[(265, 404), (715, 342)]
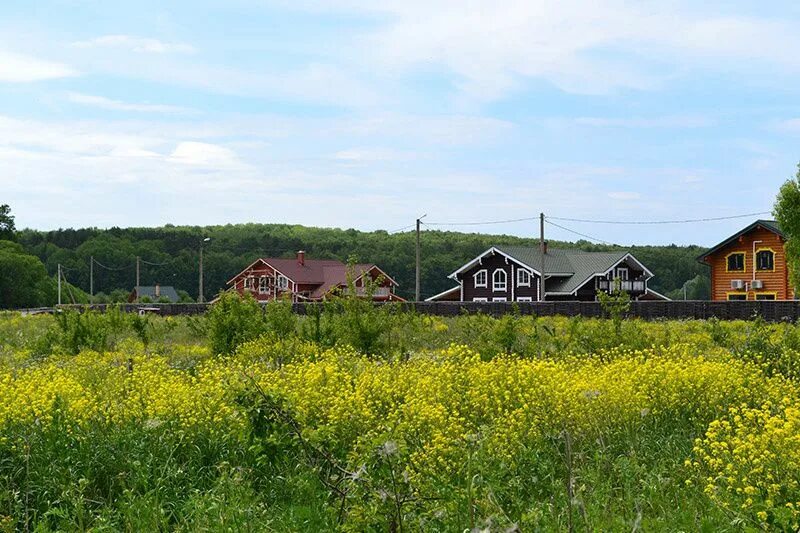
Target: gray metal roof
[(566, 270), (165, 291)]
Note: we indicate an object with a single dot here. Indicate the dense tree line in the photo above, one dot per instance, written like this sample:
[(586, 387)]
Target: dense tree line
[(170, 255)]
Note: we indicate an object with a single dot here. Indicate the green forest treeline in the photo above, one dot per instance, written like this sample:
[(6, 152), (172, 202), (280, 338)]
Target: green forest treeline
[(174, 252)]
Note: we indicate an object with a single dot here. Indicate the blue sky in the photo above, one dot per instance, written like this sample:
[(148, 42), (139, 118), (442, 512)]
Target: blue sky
[(368, 114)]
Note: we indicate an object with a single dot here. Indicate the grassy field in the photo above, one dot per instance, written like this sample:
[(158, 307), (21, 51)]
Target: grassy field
[(363, 419)]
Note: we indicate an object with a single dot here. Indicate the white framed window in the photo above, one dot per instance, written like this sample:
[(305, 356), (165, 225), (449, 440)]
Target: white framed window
[(499, 280), (283, 282), (262, 285), (480, 299), (249, 283), (480, 278), (500, 299), (621, 273), (524, 299), (523, 278)]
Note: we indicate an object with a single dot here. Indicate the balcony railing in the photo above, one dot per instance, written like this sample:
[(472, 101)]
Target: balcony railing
[(376, 292), (625, 285)]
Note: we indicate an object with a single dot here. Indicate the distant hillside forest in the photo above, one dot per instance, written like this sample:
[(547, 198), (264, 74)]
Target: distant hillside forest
[(170, 255)]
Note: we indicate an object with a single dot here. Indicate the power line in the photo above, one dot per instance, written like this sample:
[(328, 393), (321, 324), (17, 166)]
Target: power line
[(155, 264), (653, 222), (98, 263), (484, 223), (578, 233), (398, 230)]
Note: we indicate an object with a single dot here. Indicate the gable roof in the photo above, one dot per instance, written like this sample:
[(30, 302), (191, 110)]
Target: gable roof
[(165, 291), (448, 292), (571, 268), (770, 225), (336, 276), (325, 273)]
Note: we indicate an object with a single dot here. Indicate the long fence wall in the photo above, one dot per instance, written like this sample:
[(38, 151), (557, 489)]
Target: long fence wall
[(769, 310)]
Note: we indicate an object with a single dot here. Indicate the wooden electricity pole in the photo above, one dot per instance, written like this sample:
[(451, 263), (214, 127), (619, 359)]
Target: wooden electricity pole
[(137, 279), (543, 250), (200, 287), (200, 279), (59, 284), (91, 279), (417, 276)]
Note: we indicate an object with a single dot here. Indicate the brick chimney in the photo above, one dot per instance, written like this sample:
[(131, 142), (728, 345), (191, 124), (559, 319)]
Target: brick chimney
[(158, 290), (301, 257)]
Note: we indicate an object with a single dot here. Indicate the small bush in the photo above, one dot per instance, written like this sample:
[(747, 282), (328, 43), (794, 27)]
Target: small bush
[(233, 320)]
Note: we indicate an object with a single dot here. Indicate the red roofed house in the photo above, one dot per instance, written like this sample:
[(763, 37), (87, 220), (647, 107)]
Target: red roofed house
[(304, 279)]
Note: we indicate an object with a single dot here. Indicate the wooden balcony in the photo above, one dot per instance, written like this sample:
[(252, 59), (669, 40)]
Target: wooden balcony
[(629, 286), (378, 292)]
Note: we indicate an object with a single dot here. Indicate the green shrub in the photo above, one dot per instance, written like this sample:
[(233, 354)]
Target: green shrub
[(233, 320)]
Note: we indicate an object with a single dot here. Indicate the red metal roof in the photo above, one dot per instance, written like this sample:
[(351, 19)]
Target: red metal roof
[(326, 274)]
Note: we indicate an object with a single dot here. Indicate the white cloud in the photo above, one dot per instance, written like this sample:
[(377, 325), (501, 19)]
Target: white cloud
[(203, 154), (579, 46), (118, 105), (20, 68), (135, 44)]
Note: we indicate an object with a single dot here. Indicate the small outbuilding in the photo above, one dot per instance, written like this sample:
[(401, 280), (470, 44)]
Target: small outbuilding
[(155, 293)]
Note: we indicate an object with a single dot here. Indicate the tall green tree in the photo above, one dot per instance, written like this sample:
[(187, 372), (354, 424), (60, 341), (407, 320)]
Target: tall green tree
[(7, 229), (787, 213), (23, 279)]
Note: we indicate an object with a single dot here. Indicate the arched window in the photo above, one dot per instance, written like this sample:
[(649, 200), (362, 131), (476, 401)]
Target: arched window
[(499, 280), (480, 278), (523, 278), (765, 260)]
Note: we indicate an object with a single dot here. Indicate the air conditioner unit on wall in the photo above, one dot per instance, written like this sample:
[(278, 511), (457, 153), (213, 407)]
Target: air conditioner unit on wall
[(757, 284), (737, 284)]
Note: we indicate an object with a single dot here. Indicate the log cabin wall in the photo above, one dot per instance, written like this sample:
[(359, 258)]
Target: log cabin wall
[(776, 281)]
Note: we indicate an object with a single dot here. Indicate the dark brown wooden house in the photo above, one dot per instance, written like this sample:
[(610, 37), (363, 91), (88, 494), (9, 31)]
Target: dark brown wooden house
[(750, 265), (513, 274)]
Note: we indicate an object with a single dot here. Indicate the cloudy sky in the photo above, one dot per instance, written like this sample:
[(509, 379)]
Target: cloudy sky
[(367, 114)]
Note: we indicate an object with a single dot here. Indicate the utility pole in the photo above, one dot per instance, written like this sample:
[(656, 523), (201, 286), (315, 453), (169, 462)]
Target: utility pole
[(543, 250), (137, 279), (91, 279), (200, 283), (59, 284), (416, 291)]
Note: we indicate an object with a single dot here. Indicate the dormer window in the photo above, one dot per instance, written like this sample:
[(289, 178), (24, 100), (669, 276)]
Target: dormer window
[(523, 278), (621, 273), (499, 280), (736, 262), (481, 278), (765, 260)]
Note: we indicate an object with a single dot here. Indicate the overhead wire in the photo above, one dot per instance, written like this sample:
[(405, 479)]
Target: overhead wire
[(654, 222), (585, 236), (398, 230), (155, 264), (101, 265), (483, 223)]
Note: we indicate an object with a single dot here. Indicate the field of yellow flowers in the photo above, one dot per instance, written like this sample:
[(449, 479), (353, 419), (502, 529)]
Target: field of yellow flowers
[(540, 425)]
